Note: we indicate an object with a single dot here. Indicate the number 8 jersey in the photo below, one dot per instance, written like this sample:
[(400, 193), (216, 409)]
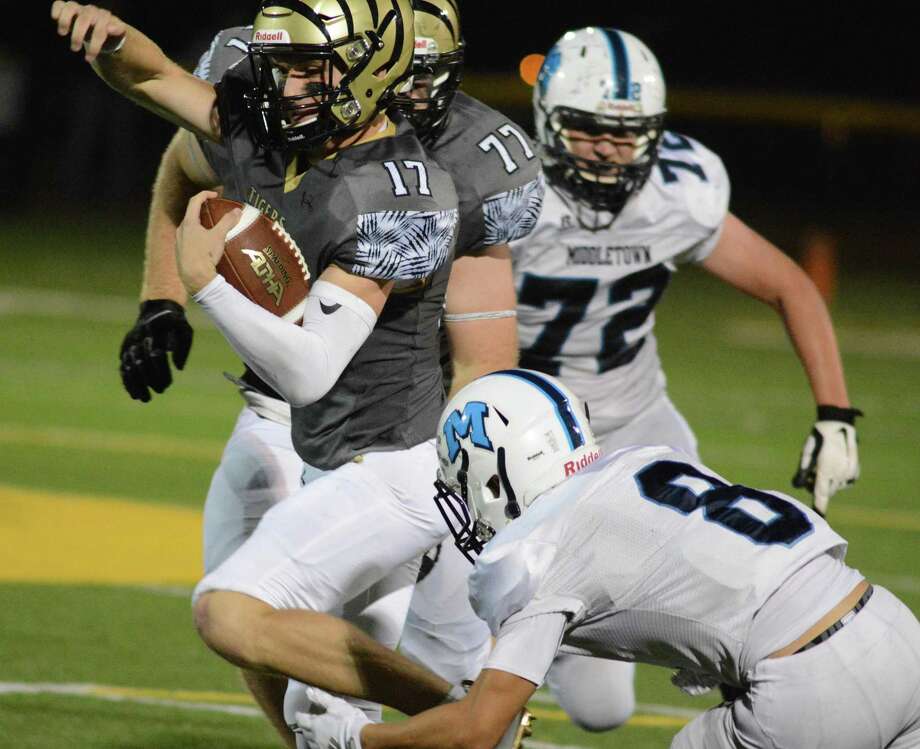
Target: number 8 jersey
[(586, 298)]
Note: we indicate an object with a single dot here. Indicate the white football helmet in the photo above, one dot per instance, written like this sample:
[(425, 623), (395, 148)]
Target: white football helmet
[(599, 80), (503, 440)]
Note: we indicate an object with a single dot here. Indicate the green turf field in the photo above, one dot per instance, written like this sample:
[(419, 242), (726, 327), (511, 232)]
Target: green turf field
[(98, 533)]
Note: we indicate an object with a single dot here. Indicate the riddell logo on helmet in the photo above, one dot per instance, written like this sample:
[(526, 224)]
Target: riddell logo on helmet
[(278, 36), (574, 466), (426, 46)]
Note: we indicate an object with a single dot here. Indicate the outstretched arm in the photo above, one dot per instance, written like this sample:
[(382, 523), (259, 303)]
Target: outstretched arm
[(137, 68), (752, 264), (478, 721)]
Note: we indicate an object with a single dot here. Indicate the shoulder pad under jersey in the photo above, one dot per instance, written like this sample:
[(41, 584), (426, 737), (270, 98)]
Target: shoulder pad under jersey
[(226, 50), (690, 180)]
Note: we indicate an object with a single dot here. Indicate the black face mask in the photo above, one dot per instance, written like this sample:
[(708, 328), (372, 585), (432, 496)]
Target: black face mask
[(600, 185), (428, 113)]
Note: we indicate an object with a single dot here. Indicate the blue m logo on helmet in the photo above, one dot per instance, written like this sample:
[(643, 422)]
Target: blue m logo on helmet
[(471, 423)]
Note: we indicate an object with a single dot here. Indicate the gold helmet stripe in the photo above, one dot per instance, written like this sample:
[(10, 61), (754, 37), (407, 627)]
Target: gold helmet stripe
[(394, 14), (349, 19), (301, 8), (375, 14), (426, 7)]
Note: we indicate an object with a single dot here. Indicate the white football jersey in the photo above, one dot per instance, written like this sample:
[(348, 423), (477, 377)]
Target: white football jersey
[(586, 298), (657, 559)]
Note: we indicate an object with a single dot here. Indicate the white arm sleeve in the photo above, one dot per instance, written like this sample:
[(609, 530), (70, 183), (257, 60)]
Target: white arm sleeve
[(527, 647), (301, 362)]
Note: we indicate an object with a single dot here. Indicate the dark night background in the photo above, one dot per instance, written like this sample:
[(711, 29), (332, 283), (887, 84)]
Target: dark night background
[(66, 138)]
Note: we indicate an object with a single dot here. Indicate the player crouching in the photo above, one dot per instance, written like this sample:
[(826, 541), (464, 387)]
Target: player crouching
[(646, 555)]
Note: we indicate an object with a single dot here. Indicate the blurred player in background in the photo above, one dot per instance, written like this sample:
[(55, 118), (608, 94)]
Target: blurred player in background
[(647, 555), (300, 128), (628, 201), (259, 466)]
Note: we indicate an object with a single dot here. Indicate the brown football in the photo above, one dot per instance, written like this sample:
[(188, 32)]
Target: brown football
[(260, 259)]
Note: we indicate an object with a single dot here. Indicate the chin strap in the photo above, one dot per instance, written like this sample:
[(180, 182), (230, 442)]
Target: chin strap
[(512, 508)]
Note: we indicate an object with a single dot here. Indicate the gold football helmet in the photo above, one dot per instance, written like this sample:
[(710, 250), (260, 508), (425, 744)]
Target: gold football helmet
[(325, 68), (438, 66)]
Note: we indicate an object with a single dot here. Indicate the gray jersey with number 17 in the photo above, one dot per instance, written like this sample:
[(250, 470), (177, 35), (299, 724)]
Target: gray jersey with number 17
[(382, 209)]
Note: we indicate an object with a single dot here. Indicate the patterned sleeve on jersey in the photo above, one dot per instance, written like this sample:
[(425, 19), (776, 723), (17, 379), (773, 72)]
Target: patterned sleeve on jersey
[(687, 165), (401, 245), (497, 172), (513, 214), (227, 48), (396, 218)]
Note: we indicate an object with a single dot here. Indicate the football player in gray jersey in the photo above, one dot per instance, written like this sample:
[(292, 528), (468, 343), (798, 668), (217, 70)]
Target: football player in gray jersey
[(498, 203), (647, 555), (300, 127)]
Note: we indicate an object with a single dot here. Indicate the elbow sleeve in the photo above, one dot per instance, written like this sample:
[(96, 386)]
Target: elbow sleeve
[(301, 362)]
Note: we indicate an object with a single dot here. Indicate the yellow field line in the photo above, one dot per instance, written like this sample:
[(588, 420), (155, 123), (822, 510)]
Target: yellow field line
[(191, 697), (178, 695), (72, 538), (889, 520), (644, 721), (58, 537)]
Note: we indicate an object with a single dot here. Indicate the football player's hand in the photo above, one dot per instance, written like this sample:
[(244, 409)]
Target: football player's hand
[(330, 722), (94, 29), (161, 327), (830, 458), (198, 249)]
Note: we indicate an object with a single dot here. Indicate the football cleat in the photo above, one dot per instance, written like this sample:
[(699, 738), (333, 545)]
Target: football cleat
[(521, 728)]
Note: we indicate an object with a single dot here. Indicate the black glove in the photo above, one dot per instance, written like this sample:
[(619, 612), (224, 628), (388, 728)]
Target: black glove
[(161, 326)]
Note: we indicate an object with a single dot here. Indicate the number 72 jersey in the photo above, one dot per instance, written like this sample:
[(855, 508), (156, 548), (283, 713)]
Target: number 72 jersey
[(586, 298)]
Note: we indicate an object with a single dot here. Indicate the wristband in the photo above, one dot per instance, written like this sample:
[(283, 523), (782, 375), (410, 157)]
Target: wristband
[(835, 413)]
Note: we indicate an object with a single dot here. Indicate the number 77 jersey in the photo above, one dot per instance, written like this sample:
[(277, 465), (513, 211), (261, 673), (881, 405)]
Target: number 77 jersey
[(586, 297)]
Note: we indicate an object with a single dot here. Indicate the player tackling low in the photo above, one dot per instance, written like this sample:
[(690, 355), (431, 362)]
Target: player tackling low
[(646, 555)]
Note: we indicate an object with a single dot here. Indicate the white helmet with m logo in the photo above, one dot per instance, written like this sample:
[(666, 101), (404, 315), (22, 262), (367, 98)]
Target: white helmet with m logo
[(503, 440)]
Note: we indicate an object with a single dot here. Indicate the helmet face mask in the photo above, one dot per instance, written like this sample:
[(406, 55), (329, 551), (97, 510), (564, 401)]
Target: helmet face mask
[(321, 74), (601, 184), (467, 523), (599, 86), (435, 80), (503, 440), (437, 69)]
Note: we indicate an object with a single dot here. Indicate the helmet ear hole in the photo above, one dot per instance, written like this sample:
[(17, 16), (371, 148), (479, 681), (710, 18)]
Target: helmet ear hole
[(494, 485)]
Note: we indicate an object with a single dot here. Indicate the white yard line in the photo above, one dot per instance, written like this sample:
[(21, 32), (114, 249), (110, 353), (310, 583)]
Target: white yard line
[(898, 343), (768, 335), (77, 306), (158, 445), (228, 702), (111, 694)]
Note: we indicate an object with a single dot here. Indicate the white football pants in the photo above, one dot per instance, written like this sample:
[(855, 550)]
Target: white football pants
[(859, 689), (258, 469)]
